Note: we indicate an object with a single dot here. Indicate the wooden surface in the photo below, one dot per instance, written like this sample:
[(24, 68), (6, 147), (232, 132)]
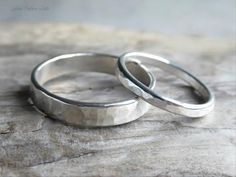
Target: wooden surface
[(158, 144)]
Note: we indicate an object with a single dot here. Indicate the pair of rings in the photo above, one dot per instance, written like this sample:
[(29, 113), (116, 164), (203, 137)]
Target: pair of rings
[(130, 70)]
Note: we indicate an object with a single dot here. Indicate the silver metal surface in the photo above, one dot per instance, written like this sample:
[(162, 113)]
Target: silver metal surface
[(87, 114), (171, 105)]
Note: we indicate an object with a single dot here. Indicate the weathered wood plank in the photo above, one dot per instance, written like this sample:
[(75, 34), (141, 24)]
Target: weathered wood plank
[(158, 144)]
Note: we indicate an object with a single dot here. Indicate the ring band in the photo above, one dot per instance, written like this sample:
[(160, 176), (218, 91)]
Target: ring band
[(171, 105), (86, 114)]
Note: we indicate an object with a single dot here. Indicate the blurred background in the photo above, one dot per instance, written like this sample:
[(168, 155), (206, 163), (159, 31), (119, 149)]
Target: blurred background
[(216, 18)]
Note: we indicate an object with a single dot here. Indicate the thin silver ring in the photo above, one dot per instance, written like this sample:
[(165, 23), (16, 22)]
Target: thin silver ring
[(171, 105), (85, 114)]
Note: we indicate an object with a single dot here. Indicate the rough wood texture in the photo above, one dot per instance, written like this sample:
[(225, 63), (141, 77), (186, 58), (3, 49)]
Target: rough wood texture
[(158, 144)]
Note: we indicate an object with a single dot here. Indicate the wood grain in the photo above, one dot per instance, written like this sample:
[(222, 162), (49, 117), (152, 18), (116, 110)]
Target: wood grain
[(157, 144)]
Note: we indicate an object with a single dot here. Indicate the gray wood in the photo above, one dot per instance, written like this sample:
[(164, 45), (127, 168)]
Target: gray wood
[(158, 144)]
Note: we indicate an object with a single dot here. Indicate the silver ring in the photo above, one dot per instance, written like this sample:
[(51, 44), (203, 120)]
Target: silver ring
[(171, 105), (86, 114)]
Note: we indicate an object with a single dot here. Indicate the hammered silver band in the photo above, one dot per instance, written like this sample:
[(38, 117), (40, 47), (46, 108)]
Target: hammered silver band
[(86, 114), (136, 86)]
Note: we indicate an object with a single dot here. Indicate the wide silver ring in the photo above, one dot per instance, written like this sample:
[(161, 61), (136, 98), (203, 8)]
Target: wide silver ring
[(171, 105), (86, 114)]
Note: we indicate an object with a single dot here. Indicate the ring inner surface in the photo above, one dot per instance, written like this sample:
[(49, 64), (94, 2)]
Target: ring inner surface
[(201, 93), (89, 79)]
